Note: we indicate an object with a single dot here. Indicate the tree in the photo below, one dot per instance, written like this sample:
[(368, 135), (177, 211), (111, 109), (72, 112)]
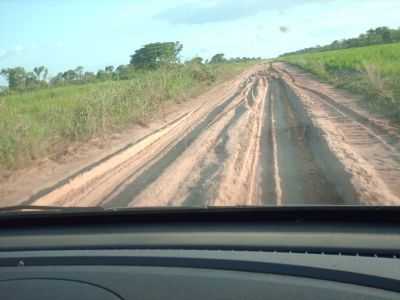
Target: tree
[(31, 80), (79, 73), (89, 77), (45, 73), (16, 77), (377, 36), (124, 72), (109, 69), (38, 71), (396, 35), (218, 58), (69, 75), (336, 44), (58, 79), (386, 35), (154, 55), (196, 60), (102, 75)]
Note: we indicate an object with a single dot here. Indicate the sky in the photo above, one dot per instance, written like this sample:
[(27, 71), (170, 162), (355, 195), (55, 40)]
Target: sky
[(63, 34)]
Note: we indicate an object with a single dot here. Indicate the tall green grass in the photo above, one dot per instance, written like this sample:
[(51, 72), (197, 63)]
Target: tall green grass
[(44, 122), (371, 71)]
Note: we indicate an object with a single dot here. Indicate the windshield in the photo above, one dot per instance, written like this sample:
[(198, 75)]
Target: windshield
[(154, 103)]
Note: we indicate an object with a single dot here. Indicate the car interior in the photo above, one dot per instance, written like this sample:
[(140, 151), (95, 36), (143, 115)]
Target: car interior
[(247, 253)]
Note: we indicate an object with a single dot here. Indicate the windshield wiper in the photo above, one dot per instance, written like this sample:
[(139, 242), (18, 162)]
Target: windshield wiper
[(40, 208)]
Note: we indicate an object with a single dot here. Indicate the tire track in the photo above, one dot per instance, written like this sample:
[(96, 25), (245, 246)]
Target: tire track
[(389, 140), (299, 180), (238, 182), (379, 147), (126, 195), (274, 145), (261, 145), (204, 191), (88, 186)]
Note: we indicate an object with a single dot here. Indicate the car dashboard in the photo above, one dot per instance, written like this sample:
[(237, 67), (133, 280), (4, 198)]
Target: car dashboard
[(308, 253)]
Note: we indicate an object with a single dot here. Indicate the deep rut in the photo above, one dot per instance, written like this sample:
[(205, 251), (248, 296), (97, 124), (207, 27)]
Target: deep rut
[(262, 144)]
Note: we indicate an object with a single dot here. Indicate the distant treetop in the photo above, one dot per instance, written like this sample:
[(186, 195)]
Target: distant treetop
[(152, 56), (377, 36)]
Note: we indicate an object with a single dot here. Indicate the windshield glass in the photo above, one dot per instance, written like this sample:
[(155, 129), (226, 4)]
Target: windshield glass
[(199, 103)]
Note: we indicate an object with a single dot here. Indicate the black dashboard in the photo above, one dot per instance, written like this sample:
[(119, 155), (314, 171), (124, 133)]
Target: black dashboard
[(286, 253)]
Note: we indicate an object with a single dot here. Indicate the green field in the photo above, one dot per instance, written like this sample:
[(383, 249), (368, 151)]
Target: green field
[(373, 72), (34, 124)]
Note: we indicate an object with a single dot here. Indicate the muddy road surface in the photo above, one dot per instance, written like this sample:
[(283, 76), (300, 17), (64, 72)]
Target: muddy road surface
[(277, 137)]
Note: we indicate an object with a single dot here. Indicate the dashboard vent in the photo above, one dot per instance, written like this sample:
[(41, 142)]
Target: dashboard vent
[(377, 254)]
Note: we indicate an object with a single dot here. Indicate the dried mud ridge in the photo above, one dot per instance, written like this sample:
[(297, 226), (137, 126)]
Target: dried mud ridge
[(273, 141)]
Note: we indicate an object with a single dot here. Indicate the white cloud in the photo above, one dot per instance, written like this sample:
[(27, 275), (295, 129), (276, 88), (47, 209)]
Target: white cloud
[(4, 54), (19, 48), (225, 10)]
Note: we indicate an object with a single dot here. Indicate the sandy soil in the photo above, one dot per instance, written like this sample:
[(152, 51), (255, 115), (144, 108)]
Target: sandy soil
[(27, 185), (366, 146), (272, 136)]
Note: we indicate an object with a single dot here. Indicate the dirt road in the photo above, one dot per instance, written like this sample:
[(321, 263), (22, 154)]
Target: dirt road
[(275, 137)]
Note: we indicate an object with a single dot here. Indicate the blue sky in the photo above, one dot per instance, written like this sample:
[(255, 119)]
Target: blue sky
[(95, 33)]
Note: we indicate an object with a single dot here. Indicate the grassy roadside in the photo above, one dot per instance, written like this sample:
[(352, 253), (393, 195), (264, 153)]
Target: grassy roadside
[(373, 72), (39, 123)]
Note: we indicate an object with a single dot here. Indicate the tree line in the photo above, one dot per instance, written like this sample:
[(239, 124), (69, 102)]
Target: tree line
[(149, 57), (377, 36)]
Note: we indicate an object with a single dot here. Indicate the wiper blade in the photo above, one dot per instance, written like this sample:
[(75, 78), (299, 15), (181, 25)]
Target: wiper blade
[(41, 208)]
